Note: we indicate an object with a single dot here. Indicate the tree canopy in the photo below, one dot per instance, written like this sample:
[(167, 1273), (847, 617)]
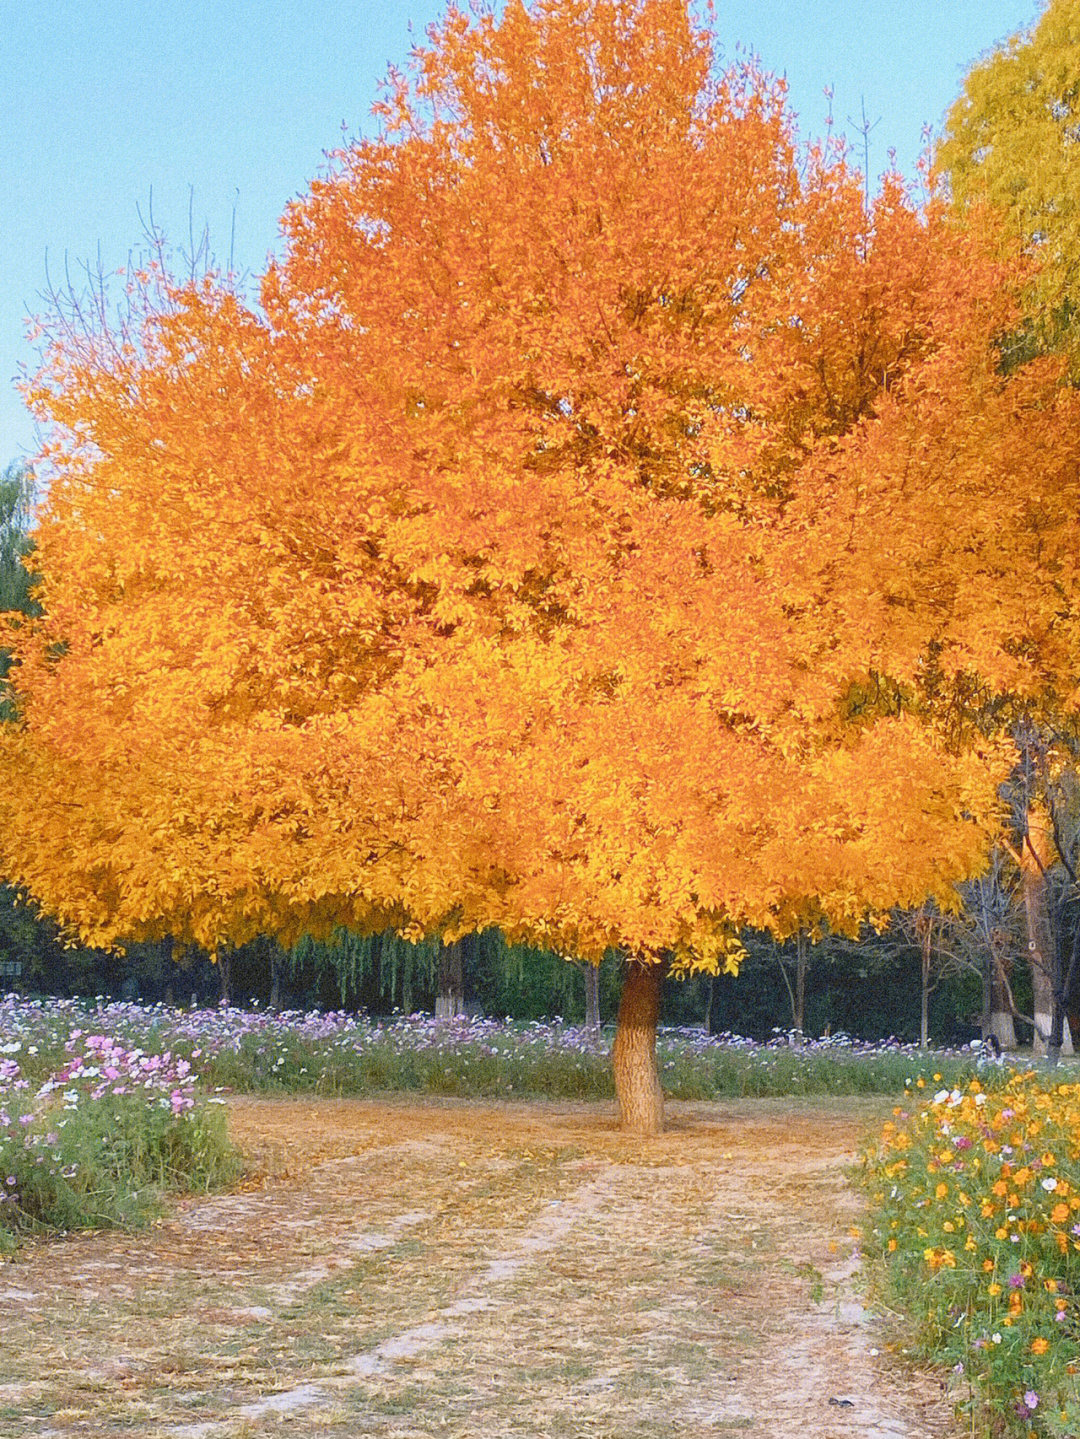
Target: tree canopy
[(559, 544)]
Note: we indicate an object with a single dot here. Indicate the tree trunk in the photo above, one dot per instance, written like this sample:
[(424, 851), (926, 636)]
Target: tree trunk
[(225, 977), (1036, 861), (633, 1055), (450, 1000), (1000, 1024), (592, 996), (924, 928), (924, 993), (275, 977), (167, 971), (800, 983)]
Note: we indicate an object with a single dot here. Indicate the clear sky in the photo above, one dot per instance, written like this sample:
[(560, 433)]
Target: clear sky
[(232, 103)]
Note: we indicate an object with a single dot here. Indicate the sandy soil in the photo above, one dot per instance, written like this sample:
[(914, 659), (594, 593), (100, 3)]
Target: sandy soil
[(403, 1269)]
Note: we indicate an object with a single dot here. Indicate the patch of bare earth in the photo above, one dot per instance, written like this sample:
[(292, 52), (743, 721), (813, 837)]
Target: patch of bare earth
[(404, 1269)]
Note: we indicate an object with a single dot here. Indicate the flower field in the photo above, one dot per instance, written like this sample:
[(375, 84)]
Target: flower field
[(347, 1054), (976, 1197)]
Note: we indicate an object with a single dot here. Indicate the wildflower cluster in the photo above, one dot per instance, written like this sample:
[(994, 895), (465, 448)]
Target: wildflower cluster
[(101, 1135), (976, 1216)]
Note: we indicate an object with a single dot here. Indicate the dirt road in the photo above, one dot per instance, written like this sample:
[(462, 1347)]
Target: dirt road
[(398, 1269)]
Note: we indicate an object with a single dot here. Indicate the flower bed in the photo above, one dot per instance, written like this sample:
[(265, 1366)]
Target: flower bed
[(103, 1135), (976, 1224), (339, 1053)]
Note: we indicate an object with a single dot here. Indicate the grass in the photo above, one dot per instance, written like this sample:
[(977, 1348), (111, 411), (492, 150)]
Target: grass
[(976, 1240)]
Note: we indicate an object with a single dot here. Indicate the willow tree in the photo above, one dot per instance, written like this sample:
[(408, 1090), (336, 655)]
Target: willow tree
[(558, 545)]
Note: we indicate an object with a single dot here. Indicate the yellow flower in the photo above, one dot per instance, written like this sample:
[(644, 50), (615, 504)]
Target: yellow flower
[(940, 1258), (993, 1290), (1059, 1213), (941, 1191), (892, 1246)]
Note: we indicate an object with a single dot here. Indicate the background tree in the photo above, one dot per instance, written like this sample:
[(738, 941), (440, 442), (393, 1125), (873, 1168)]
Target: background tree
[(1009, 145), (16, 515), (1011, 140)]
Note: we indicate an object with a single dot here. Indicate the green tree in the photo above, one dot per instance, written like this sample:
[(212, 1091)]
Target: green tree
[(1012, 139), (16, 514)]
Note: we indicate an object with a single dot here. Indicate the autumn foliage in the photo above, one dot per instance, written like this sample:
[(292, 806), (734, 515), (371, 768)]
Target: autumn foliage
[(564, 540)]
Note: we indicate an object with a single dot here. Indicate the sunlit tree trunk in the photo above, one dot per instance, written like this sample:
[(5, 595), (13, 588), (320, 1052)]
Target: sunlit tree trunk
[(637, 1083), (450, 999)]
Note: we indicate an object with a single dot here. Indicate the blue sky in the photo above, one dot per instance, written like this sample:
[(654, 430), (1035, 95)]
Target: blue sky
[(230, 104)]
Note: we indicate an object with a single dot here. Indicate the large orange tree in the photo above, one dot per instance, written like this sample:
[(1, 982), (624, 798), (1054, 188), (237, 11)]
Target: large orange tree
[(561, 543)]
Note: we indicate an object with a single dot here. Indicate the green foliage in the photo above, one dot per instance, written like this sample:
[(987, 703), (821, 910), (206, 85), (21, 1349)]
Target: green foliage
[(16, 510), (1012, 139)]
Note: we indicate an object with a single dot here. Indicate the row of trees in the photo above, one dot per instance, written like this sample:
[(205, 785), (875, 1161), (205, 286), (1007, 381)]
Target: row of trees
[(604, 528)]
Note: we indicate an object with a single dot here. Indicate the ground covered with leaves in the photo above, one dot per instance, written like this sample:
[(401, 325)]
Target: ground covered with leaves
[(401, 1269)]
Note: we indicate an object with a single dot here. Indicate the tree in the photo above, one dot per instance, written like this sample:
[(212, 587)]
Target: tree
[(559, 546), (1009, 144), (16, 512), (1011, 140)]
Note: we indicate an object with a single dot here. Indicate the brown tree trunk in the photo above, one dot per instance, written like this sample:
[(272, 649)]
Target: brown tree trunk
[(1000, 1025), (633, 1055), (450, 999), (1037, 859), (592, 996)]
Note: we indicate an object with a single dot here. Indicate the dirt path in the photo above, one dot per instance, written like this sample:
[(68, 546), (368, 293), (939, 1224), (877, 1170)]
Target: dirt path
[(409, 1269)]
